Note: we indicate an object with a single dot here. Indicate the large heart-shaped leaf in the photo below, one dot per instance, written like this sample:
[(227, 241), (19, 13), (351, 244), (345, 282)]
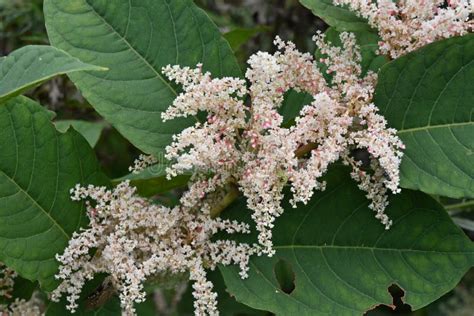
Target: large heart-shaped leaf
[(428, 96), (339, 17), (31, 65), (38, 167), (135, 39), (343, 260)]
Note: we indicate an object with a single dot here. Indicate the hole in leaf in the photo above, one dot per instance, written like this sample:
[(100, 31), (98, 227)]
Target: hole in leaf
[(398, 307), (285, 276)]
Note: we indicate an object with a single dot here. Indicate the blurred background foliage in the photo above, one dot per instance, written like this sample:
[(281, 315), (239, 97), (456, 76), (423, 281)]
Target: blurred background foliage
[(249, 26)]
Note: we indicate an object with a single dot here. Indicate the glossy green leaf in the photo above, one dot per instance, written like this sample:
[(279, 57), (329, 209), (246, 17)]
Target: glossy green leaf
[(135, 39), (38, 167), (90, 130), (337, 16), (428, 96), (29, 66), (152, 180), (343, 260)]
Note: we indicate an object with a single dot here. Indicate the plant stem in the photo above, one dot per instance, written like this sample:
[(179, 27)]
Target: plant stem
[(303, 150), (232, 195), (460, 205)]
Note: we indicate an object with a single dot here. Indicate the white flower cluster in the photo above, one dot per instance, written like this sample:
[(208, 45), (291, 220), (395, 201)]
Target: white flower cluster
[(241, 146), (407, 25), (143, 162), (245, 143), (19, 307), (132, 239)]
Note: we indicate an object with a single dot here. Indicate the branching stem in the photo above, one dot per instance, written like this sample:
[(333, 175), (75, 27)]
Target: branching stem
[(462, 205), (232, 194)]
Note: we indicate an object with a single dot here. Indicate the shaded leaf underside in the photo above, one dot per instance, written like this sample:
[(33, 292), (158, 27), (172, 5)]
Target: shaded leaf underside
[(31, 65)]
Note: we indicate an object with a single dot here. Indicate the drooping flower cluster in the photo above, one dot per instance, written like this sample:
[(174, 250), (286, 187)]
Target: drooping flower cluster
[(406, 25), (21, 307), (246, 144), (132, 239), (243, 146)]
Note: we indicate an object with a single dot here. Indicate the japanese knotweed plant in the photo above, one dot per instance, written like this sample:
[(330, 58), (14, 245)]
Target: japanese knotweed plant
[(263, 161)]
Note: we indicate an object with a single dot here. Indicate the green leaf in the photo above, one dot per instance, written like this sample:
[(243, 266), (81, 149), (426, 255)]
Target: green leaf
[(368, 43), (337, 16), (152, 180), (135, 39), (292, 104), (29, 66), (90, 130), (22, 289), (147, 308), (428, 97), (343, 260), (38, 167), (240, 36)]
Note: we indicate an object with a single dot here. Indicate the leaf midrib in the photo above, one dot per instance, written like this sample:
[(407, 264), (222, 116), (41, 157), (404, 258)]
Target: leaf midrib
[(428, 127), (37, 204), (133, 49), (316, 247), (16, 90)]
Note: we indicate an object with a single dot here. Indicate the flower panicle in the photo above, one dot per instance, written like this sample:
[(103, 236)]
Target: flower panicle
[(242, 145)]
